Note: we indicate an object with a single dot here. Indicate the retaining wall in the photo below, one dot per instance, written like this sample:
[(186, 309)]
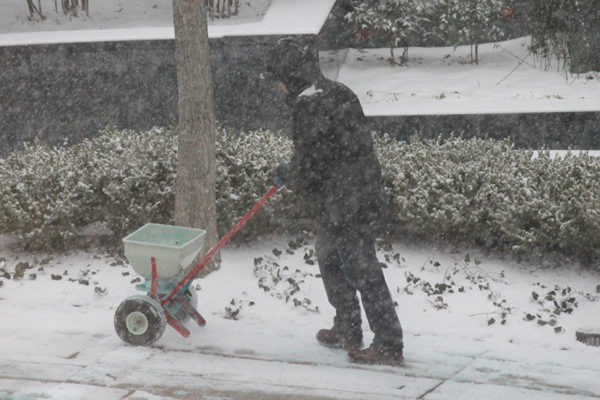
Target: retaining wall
[(70, 91)]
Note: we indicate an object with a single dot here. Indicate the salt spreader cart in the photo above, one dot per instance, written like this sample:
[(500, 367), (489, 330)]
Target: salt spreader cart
[(161, 254)]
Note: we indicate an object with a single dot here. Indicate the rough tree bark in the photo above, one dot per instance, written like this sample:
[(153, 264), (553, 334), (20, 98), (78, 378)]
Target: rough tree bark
[(195, 199), (33, 9)]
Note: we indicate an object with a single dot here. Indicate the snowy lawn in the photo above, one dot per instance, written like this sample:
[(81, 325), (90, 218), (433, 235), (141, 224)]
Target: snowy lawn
[(464, 316), (508, 79)]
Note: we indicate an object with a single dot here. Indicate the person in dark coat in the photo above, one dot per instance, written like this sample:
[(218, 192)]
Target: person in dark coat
[(335, 168)]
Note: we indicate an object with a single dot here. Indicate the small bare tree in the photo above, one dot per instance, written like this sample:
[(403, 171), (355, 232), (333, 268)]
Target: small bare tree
[(35, 10), (71, 7), (222, 8)]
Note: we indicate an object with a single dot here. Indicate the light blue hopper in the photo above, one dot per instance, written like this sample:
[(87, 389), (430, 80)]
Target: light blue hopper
[(173, 247)]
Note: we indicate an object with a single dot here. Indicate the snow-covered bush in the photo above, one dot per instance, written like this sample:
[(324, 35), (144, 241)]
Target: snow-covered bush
[(456, 22), (121, 179), (35, 201), (546, 22), (124, 179), (471, 22), (222, 8), (486, 193), (396, 20), (477, 192), (244, 163)]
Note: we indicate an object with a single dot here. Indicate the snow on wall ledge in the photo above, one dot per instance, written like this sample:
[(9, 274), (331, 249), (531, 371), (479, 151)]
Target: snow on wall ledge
[(282, 17)]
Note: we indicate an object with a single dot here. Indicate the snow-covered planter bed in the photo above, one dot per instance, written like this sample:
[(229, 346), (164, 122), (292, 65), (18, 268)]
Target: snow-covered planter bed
[(476, 192)]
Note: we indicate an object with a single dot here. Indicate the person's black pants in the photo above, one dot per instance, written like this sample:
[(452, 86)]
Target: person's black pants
[(348, 264)]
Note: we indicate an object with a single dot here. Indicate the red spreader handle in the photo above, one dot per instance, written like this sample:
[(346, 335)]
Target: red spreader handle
[(219, 244)]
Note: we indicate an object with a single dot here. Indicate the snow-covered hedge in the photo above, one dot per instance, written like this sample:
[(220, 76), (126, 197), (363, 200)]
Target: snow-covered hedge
[(454, 22), (123, 179), (396, 20), (471, 192), (245, 162), (486, 193), (471, 22)]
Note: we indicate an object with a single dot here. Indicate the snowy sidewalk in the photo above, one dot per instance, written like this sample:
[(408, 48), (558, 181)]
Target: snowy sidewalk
[(58, 340), (156, 373)]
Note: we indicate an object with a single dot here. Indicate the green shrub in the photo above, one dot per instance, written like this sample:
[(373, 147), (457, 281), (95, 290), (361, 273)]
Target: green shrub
[(402, 23), (476, 192), (244, 164), (124, 179), (395, 20), (472, 22), (486, 193), (38, 197), (121, 179)]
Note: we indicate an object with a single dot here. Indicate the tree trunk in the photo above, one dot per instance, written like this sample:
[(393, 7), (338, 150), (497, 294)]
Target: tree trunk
[(30, 5), (33, 9), (195, 200)]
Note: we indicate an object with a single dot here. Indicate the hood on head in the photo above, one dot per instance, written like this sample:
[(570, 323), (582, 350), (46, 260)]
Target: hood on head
[(292, 61)]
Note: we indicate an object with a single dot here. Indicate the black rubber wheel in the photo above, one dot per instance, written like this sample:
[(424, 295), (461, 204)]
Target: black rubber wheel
[(140, 320)]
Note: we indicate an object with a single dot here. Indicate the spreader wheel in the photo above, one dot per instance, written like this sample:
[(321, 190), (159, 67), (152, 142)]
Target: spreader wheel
[(140, 320)]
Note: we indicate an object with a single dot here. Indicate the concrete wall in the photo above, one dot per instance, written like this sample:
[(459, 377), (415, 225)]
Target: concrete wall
[(529, 131), (59, 91), (53, 92)]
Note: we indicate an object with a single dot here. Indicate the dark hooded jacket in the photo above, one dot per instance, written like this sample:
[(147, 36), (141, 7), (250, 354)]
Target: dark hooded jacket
[(334, 166)]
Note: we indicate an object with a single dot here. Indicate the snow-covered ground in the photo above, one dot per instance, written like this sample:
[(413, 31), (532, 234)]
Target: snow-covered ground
[(58, 340), (475, 327)]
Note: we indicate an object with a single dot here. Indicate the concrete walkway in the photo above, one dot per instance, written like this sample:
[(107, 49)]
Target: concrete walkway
[(204, 373)]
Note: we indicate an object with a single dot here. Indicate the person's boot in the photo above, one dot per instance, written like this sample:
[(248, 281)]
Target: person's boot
[(376, 355), (334, 338)]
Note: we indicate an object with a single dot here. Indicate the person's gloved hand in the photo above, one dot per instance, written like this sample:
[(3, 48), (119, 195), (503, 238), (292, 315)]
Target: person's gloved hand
[(279, 175), (279, 181)]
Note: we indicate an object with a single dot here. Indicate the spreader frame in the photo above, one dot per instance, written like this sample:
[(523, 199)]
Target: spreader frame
[(176, 298)]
